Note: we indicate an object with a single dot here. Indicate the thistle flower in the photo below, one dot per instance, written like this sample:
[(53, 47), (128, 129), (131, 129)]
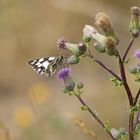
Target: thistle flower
[(103, 21), (64, 74), (137, 54), (134, 26), (61, 43)]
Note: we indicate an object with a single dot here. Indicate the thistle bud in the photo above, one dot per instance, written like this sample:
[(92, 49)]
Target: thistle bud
[(135, 70), (99, 47), (76, 49), (103, 21), (74, 59), (111, 46), (115, 133), (122, 131), (134, 26), (82, 48), (80, 85)]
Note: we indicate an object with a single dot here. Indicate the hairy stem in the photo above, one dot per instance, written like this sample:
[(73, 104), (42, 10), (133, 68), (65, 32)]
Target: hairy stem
[(94, 115), (128, 48)]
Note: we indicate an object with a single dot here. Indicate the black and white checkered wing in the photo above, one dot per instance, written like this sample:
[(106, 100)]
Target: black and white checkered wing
[(47, 66)]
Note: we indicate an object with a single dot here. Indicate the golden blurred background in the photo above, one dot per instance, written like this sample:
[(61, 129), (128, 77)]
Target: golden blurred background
[(33, 107)]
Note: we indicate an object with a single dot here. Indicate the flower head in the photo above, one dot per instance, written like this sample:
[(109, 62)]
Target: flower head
[(63, 73), (103, 21), (61, 43), (137, 53)]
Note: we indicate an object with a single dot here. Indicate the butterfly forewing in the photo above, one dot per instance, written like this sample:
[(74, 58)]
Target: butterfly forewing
[(47, 66)]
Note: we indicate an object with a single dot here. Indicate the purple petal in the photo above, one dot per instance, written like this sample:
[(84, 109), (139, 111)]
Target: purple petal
[(63, 72)]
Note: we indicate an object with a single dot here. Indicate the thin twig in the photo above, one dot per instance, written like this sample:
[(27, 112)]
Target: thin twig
[(102, 65), (137, 96), (128, 48), (93, 114)]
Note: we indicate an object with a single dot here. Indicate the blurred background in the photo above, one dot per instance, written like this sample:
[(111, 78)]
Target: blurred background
[(35, 108)]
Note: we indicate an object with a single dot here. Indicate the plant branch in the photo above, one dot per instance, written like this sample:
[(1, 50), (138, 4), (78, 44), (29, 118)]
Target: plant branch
[(130, 97), (137, 96), (94, 115), (102, 65), (128, 48), (123, 76), (131, 128)]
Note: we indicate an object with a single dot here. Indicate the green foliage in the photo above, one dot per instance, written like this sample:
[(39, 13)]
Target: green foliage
[(116, 82), (137, 130), (107, 126)]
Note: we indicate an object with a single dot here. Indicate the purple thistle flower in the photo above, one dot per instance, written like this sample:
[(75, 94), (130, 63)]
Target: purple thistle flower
[(63, 73), (137, 53), (61, 43)]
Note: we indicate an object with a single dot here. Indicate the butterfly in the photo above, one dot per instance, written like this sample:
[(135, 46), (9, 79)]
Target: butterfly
[(48, 66)]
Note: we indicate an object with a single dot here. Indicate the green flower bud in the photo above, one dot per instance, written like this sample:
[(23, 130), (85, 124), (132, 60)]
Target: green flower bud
[(76, 49), (115, 133), (74, 59), (134, 26), (86, 39), (122, 131), (80, 85), (72, 47), (82, 49), (69, 83), (135, 70), (99, 47)]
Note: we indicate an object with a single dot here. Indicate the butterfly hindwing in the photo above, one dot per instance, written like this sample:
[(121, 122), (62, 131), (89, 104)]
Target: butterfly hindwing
[(47, 66)]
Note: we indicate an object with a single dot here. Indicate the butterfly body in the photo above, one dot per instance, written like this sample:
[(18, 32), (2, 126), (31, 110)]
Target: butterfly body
[(48, 66)]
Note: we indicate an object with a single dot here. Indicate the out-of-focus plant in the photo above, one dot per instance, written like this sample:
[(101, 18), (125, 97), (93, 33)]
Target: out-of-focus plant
[(107, 43)]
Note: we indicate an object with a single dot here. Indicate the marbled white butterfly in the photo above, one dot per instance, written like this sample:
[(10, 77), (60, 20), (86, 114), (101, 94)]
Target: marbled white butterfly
[(48, 66)]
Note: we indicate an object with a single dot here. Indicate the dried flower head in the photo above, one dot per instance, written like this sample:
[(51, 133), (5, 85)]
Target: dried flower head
[(103, 21), (61, 43), (135, 10)]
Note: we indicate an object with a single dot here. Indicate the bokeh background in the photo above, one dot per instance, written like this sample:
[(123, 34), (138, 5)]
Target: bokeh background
[(35, 108)]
